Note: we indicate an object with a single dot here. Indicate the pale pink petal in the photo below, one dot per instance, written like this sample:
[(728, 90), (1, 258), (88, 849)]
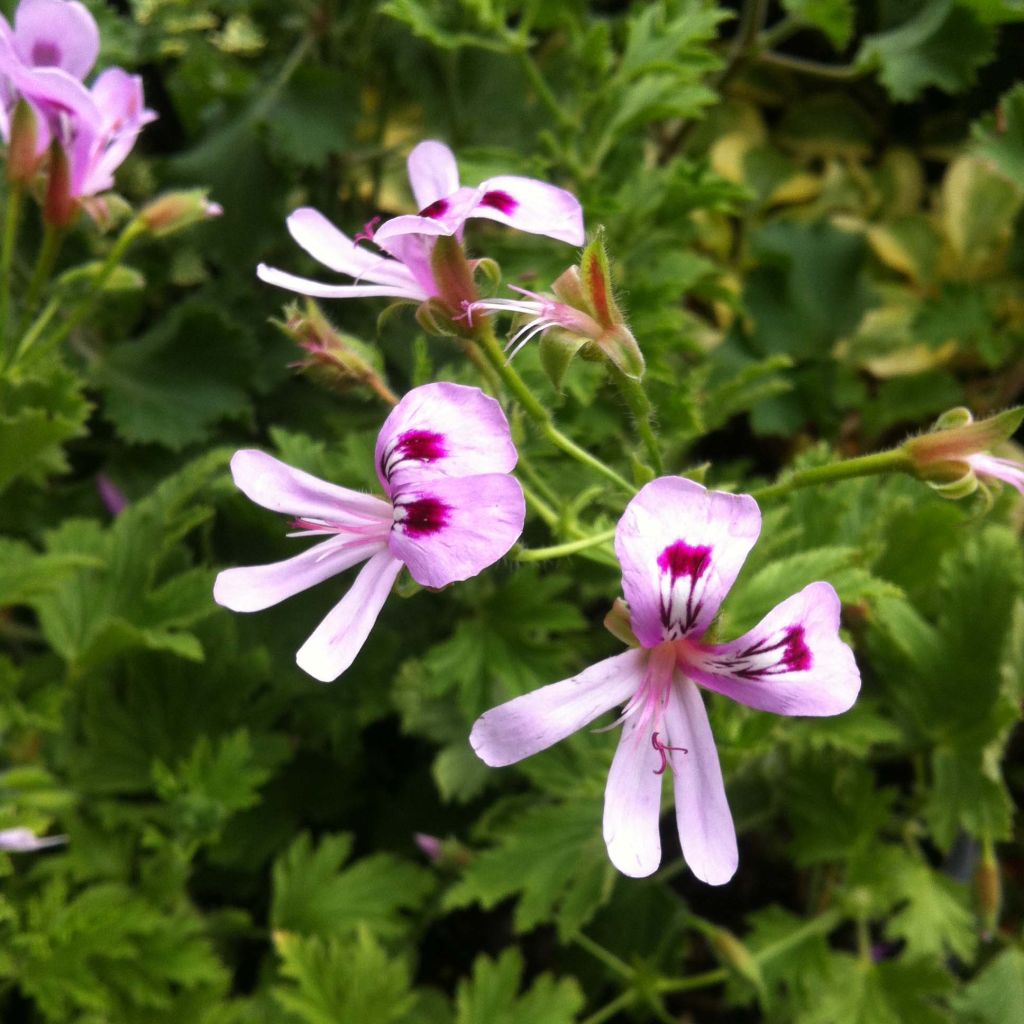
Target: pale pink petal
[(632, 802), (339, 638), (253, 588), (443, 430), (56, 33), (681, 548), (24, 840), (443, 216), (530, 205), (450, 529), (706, 829), (55, 93), (535, 721), (408, 224), (432, 172), (317, 289), (791, 663), (334, 249), (274, 485), (1006, 470)]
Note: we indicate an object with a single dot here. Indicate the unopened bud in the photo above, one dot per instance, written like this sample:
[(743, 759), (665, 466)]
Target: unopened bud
[(733, 954), (22, 158), (178, 210), (447, 854), (453, 277), (60, 206), (955, 436), (988, 890)]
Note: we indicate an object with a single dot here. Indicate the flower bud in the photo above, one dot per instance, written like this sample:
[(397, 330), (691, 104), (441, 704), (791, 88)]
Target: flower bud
[(988, 890), (22, 158), (453, 276), (60, 206), (178, 210)]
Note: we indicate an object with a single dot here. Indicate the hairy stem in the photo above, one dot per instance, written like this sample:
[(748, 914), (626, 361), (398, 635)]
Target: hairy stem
[(895, 461), (12, 211), (571, 547), (640, 407)]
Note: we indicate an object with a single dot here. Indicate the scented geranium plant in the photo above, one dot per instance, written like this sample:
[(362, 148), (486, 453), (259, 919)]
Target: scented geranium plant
[(642, 408)]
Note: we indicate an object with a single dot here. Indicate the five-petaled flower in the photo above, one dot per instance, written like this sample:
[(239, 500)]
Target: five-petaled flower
[(451, 509), (402, 270), (681, 548)]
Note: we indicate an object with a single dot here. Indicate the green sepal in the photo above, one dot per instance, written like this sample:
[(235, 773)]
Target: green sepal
[(596, 281), (557, 351)]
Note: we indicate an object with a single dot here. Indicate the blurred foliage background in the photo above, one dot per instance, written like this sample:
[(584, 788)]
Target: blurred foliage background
[(813, 208)]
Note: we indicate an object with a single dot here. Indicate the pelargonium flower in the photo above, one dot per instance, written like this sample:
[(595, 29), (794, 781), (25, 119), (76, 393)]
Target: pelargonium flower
[(56, 34), (450, 510), (681, 548), (402, 269)]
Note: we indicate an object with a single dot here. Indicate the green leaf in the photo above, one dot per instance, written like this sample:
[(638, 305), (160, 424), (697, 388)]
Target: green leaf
[(552, 857), (996, 995), (96, 614), (341, 982), (175, 383), (943, 44), (936, 919), (25, 573), (37, 415), (833, 17), (999, 138), (315, 115), (315, 895), (491, 995)]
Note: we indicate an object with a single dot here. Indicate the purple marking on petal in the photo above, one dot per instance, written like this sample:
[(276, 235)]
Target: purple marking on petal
[(796, 655), (775, 654), (680, 559), (500, 201), (436, 210), (45, 54), (421, 517), (412, 446)]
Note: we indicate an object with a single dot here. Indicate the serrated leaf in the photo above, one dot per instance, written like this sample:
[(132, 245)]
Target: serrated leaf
[(552, 857), (491, 995), (999, 138), (314, 894), (37, 415), (172, 385), (942, 44), (833, 17), (996, 995)]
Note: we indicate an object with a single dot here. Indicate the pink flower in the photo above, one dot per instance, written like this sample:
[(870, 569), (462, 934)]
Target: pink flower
[(402, 270), (451, 509), (59, 34), (992, 467), (24, 840), (681, 548)]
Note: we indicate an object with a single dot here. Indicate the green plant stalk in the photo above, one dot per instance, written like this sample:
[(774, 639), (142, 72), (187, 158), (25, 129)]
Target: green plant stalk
[(533, 408), (715, 977), (571, 547), (620, 1002), (53, 236), (895, 461), (632, 390), (12, 212), (606, 956), (32, 335), (132, 230)]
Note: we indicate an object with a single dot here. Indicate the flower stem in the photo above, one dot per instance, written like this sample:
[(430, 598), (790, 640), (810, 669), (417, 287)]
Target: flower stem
[(606, 956), (639, 404), (132, 230), (608, 1011), (536, 411), (52, 238), (540, 506), (715, 977), (895, 461), (571, 547), (12, 212)]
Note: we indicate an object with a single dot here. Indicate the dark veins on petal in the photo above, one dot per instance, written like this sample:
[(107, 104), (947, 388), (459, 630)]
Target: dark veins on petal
[(790, 650), (680, 559), (412, 446), (45, 54), (501, 201), (438, 208), (424, 516)]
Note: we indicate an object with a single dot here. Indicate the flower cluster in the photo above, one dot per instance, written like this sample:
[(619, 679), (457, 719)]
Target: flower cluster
[(45, 105)]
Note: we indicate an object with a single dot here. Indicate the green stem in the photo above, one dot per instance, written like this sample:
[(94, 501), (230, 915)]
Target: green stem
[(12, 213), (540, 506), (895, 461), (607, 1012), (639, 404), (779, 33), (88, 303), (543, 90), (571, 547), (32, 335), (533, 408), (822, 924), (715, 977), (606, 956), (52, 238), (529, 470), (835, 72)]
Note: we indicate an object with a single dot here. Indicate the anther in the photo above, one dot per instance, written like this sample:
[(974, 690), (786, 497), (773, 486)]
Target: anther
[(661, 748)]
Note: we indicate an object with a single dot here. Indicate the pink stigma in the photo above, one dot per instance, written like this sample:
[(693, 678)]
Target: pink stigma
[(368, 229), (500, 201), (661, 748), (680, 559), (437, 209)]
